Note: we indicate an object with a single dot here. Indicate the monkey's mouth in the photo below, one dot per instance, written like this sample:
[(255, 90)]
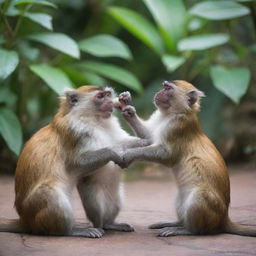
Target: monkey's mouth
[(161, 103), (106, 114)]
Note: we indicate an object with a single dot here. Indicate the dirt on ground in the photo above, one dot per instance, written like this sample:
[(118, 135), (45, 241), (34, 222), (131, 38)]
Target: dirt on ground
[(146, 201)]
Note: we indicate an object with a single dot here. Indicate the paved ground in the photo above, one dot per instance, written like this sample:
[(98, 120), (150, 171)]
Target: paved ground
[(147, 201)]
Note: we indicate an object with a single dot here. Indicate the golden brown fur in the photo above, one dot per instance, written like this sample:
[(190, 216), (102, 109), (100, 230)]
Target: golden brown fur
[(73, 150), (200, 171)]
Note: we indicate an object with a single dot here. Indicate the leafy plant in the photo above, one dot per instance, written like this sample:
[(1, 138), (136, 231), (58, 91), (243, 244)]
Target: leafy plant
[(30, 52), (187, 42)]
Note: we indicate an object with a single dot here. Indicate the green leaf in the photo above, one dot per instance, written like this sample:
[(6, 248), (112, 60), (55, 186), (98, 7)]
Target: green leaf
[(245, 1), (202, 42), (2, 39), (114, 73), (196, 24), (231, 82), (27, 51), (40, 2), (10, 129), (42, 19), (93, 78), (139, 27), (172, 62), (58, 41), (171, 18), (8, 63), (105, 46), (7, 97), (81, 78), (55, 78), (219, 10)]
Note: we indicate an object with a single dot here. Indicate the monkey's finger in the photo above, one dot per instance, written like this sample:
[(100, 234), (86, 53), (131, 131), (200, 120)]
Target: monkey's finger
[(99, 232)]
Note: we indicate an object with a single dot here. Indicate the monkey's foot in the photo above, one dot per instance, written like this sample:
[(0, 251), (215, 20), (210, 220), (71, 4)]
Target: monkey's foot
[(119, 227), (163, 224), (174, 231), (88, 232)]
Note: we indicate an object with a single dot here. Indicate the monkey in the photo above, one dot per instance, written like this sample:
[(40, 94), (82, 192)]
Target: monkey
[(200, 171), (77, 149)]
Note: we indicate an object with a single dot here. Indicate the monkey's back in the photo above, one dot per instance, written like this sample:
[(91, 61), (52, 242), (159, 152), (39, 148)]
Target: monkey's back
[(39, 162), (206, 167)]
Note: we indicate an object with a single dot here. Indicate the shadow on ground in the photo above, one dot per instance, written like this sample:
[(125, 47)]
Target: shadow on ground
[(146, 201)]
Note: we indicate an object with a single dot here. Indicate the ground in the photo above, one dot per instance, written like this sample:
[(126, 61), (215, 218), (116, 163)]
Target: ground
[(146, 201)]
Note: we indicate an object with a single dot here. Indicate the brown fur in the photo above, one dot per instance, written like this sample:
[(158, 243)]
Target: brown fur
[(200, 171), (48, 170)]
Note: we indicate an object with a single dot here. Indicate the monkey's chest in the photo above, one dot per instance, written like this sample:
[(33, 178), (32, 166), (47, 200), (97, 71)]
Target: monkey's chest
[(100, 139)]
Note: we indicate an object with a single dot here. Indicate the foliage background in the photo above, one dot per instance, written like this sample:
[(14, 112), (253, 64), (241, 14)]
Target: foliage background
[(130, 45)]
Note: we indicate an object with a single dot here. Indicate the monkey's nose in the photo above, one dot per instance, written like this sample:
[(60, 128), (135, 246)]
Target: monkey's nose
[(168, 84)]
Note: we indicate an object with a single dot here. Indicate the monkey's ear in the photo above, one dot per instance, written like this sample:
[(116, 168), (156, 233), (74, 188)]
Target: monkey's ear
[(72, 97), (194, 96)]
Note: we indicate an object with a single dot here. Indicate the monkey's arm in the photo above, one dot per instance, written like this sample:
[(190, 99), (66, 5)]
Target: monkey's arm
[(153, 153), (134, 143), (129, 113), (91, 160)]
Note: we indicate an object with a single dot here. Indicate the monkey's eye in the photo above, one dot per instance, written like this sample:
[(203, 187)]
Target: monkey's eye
[(100, 95), (108, 93)]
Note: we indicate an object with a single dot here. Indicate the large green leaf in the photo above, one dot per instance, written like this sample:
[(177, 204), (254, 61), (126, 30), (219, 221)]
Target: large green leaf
[(55, 78), (40, 2), (10, 129), (219, 10), (42, 19), (81, 77), (139, 27), (114, 73), (232, 82), (8, 63), (58, 41), (171, 18), (172, 62), (105, 46), (202, 42)]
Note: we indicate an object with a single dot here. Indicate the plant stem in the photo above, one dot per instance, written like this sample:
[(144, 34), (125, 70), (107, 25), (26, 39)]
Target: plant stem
[(8, 26), (19, 21)]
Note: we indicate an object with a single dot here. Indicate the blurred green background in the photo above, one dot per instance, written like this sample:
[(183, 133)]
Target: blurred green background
[(133, 45)]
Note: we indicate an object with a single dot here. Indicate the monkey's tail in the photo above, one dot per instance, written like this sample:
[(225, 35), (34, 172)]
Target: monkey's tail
[(10, 225), (238, 229)]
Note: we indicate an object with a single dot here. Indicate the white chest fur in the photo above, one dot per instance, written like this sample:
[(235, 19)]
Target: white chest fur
[(99, 134)]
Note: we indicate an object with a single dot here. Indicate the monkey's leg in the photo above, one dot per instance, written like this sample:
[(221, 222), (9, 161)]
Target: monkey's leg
[(174, 231), (53, 214), (100, 194), (159, 225)]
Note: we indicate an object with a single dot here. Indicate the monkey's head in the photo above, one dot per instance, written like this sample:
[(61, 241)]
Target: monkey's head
[(178, 97), (89, 101)]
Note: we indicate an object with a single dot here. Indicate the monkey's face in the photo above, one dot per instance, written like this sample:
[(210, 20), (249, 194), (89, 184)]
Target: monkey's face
[(178, 97), (103, 103), (89, 101)]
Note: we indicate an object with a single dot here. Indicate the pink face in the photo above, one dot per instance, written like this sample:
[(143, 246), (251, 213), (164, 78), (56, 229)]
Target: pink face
[(163, 98), (104, 103)]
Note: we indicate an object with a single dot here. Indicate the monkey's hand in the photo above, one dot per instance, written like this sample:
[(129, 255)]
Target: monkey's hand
[(127, 159), (123, 99), (128, 112), (117, 158)]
